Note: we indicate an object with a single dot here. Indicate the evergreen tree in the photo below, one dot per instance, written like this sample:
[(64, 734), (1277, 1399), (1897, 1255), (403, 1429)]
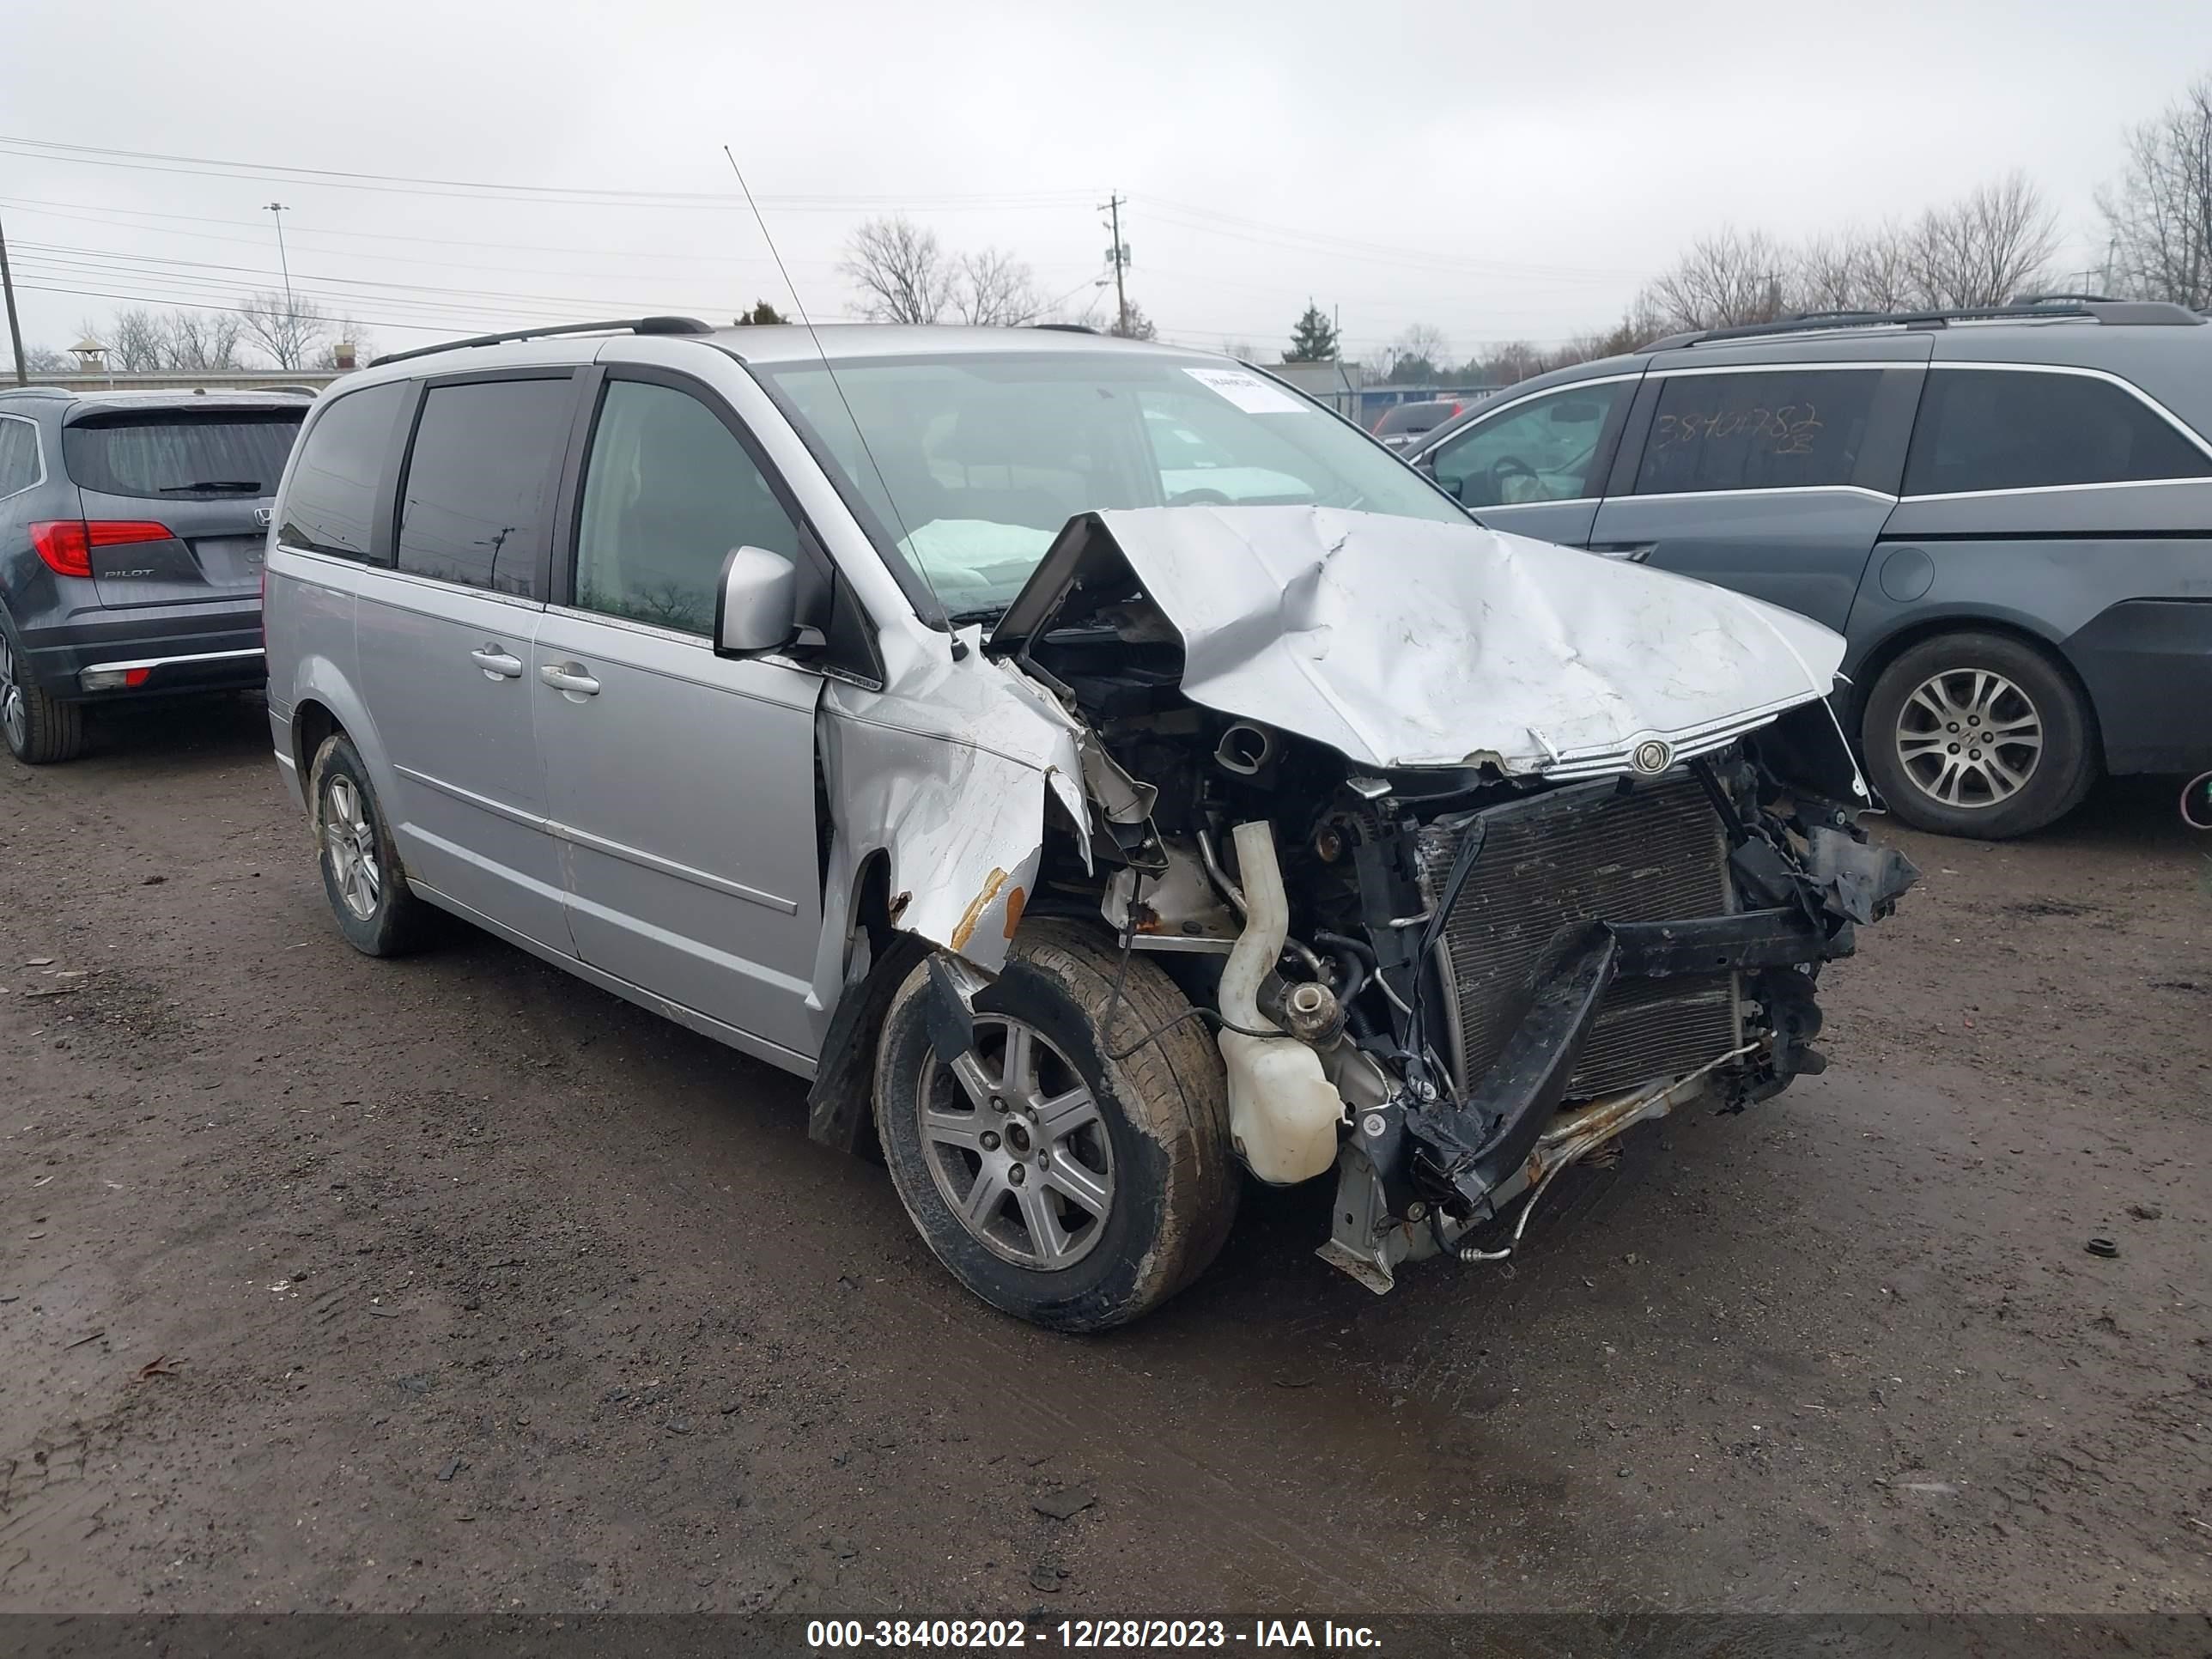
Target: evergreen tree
[(1314, 340)]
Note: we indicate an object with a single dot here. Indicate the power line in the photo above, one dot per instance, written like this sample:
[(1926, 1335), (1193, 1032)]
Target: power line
[(1246, 230), (574, 195), (60, 253), (90, 213), (193, 305)]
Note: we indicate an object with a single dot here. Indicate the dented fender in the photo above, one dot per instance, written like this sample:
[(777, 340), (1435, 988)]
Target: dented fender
[(949, 780)]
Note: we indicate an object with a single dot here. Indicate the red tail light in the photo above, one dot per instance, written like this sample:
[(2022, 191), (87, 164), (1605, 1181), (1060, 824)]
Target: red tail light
[(66, 545)]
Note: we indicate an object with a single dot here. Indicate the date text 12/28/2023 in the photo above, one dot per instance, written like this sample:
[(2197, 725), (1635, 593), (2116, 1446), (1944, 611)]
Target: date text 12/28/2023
[(832, 1634)]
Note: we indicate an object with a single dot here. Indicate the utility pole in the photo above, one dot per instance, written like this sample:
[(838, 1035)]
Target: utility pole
[(15, 328), (1118, 255), (291, 310)]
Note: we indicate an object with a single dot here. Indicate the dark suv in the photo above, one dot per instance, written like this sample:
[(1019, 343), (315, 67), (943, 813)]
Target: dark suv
[(2007, 513), (132, 529)]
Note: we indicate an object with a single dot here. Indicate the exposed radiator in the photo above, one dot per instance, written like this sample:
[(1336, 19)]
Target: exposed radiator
[(1586, 852)]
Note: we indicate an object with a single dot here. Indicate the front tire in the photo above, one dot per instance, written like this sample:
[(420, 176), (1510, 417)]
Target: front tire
[(1978, 734), (1059, 1184), (376, 910)]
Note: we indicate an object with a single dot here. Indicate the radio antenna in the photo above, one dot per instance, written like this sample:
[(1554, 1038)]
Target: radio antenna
[(906, 536)]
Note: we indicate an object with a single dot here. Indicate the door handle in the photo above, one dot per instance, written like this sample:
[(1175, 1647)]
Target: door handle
[(568, 676), (1634, 552), (496, 664)]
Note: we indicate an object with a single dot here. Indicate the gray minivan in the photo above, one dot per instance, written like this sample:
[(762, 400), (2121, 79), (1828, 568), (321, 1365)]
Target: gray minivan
[(1096, 768), (2007, 513)]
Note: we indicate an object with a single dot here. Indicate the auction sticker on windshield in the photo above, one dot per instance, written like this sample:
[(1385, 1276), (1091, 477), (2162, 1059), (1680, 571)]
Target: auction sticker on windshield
[(1248, 391)]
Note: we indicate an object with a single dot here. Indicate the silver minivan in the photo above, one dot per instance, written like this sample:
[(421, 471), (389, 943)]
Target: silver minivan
[(908, 708)]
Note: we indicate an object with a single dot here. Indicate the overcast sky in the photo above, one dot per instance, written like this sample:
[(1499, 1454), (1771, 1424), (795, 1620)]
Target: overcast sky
[(1499, 171)]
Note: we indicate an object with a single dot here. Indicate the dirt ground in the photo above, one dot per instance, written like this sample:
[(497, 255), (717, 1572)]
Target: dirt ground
[(454, 1283)]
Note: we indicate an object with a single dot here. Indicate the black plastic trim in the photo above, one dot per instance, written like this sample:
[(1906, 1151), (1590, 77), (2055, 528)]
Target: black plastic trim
[(622, 326)]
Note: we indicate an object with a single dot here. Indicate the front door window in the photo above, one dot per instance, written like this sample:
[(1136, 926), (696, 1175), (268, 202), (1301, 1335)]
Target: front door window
[(1543, 450)]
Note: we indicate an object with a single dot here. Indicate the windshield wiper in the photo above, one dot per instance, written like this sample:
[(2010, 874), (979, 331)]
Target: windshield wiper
[(987, 613), (252, 485)]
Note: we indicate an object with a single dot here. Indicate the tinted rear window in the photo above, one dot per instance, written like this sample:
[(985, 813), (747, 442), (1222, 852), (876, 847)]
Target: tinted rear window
[(168, 455), (1415, 417), (478, 507), (1771, 429), (330, 503), (2005, 429)]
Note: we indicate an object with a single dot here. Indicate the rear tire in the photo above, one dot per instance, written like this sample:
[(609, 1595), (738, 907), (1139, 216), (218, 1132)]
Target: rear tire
[(1145, 1142), (376, 910), (40, 729), (1978, 734)]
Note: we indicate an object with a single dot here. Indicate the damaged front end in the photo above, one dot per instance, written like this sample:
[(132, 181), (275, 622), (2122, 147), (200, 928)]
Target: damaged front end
[(1475, 851), (1569, 963)]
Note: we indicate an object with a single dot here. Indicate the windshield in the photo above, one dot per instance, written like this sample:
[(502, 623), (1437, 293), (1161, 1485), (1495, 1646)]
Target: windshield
[(987, 456)]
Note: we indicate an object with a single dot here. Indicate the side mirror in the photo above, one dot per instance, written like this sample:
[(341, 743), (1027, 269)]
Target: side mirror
[(756, 608)]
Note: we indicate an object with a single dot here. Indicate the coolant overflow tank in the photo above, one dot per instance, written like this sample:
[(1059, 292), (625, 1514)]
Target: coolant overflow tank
[(1283, 1111)]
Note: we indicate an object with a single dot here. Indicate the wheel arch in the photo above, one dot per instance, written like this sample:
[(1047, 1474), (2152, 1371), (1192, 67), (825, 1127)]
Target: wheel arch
[(324, 704), (314, 724), (1875, 660)]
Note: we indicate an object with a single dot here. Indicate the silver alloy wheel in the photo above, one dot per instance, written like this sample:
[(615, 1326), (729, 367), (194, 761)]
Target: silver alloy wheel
[(349, 844), (1969, 738), (1015, 1142), (13, 716)]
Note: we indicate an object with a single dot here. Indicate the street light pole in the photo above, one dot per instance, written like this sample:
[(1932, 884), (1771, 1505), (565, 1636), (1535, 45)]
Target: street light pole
[(291, 310)]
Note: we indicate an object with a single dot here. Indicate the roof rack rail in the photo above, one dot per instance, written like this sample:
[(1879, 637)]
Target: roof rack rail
[(2112, 313), (619, 326), (1067, 328)]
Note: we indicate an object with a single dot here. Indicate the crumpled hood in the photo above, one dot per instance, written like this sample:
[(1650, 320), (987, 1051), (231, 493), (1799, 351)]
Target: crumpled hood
[(1401, 642)]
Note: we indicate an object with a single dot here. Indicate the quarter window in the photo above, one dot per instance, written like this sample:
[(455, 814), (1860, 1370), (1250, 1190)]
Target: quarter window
[(19, 456), (330, 502), (2006, 429), (1787, 429), (1542, 451), (668, 492), (478, 505)]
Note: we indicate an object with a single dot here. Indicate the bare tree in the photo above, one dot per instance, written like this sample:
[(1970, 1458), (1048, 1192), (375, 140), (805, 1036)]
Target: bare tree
[(137, 341), (203, 340), (1244, 351), (1421, 351), (1729, 278), (286, 328), (1857, 269), (2160, 214), (1516, 360), (900, 270), (1984, 249), (993, 289), (41, 360)]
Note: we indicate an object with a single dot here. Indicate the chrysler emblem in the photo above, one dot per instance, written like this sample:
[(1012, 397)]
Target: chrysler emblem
[(1652, 757), (262, 515)]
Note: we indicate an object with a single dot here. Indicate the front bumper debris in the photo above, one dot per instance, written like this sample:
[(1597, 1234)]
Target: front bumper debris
[(1548, 1002)]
